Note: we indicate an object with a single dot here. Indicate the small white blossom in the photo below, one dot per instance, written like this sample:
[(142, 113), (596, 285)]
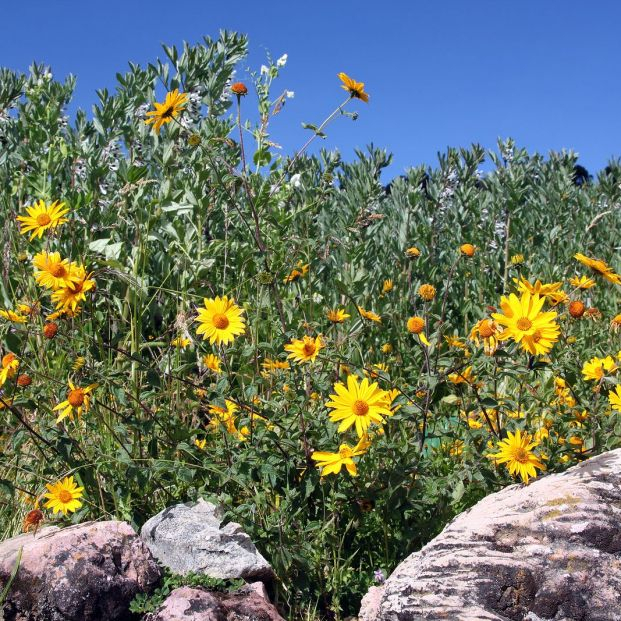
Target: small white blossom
[(295, 180), (290, 94), (264, 70), (282, 61)]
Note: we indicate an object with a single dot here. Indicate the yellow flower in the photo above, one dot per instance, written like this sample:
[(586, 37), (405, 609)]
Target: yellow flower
[(78, 401), (370, 315), (10, 365), (305, 349), (63, 496), (413, 252), (220, 320), (539, 288), (467, 250), (331, 463), (359, 403), (52, 272), (486, 329), (75, 292), (200, 444), (524, 322), (386, 348), (599, 267), (517, 259), (10, 315), (597, 368), (576, 309), (614, 397), (615, 323), (463, 377), (337, 315), (427, 292), (213, 363), (455, 341), (516, 452), (224, 417), (416, 325), (378, 370), (167, 111), (388, 286), (582, 283), (297, 272), (181, 342), (42, 217), (355, 89), (272, 366)]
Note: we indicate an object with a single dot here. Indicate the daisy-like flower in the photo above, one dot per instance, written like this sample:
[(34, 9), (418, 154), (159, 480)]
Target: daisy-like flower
[(297, 272), (355, 89), (167, 111), (337, 315), (181, 342), (359, 403), (370, 315), (467, 250), (63, 496), (597, 369), (615, 323), (200, 444), (273, 366), (42, 217), (78, 400), (486, 330), (599, 267), (516, 452), (582, 282), (614, 397), (416, 325), (75, 292), (52, 272), (517, 259), (305, 349), (213, 363), (412, 252), (462, 377), (331, 463), (224, 416), (546, 290), (10, 366), (220, 320), (524, 322), (427, 292), (10, 315), (239, 89), (387, 286)]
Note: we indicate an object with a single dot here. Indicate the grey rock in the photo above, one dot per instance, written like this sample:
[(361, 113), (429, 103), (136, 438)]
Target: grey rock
[(548, 551), (87, 572), (190, 538), (197, 604)]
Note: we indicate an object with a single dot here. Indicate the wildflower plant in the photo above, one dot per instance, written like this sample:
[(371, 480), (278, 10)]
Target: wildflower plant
[(344, 366)]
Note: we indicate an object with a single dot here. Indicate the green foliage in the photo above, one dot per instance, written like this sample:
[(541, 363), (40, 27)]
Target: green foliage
[(210, 207)]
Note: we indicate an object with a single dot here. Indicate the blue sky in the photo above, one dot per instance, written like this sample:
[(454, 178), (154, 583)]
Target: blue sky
[(439, 74)]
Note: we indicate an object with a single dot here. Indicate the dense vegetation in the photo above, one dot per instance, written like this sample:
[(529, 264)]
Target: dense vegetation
[(163, 222)]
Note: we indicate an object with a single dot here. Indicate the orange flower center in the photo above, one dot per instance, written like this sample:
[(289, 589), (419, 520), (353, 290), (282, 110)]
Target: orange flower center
[(486, 329), (220, 321), (168, 113), (76, 397), (360, 407), (43, 219), (524, 324), (58, 270), (309, 348), (65, 496), (345, 452), (7, 359), (520, 454)]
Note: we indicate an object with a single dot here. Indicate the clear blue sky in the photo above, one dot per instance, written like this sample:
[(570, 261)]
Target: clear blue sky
[(439, 73)]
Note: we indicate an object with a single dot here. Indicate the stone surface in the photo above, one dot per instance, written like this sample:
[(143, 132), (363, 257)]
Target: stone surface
[(196, 604), (547, 551), (189, 538), (87, 572)]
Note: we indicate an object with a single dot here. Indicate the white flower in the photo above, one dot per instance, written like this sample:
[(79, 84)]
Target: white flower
[(264, 70), (290, 94), (282, 61), (295, 180), (317, 298)]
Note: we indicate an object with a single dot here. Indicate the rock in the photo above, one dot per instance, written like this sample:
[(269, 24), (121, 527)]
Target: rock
[(189, 538), (197, 604), (549, 551), (87, 572)]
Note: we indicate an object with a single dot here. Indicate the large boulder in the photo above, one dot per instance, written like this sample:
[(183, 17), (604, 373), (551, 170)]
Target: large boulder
[(548, 551), (87, 572), (197, 604), (190, 538)]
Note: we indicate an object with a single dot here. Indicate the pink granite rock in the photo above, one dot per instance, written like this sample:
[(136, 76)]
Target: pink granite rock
[(549, 551), (197, 604), (88, 572)]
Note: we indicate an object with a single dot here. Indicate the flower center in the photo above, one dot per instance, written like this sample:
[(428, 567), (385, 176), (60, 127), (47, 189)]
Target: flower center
[(7, 359), (43, 219), (345, 452), (76, 397), (65, 496), (58, 270), (309, 349), (486, 329), (521, 455), (220, 321), (360, 407), (524, 324), (168, 113)]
